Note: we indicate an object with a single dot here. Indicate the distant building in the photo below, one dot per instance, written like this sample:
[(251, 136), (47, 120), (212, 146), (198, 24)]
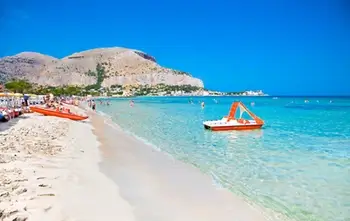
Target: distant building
[(253, 93)]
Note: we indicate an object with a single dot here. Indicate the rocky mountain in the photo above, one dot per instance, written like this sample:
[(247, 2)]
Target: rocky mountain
[(122, 67)]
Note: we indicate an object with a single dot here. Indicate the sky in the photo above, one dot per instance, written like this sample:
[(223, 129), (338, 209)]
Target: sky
[(283, 47)]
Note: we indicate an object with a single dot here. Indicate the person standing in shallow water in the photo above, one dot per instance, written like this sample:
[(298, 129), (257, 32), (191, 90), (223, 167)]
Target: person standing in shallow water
[(202, 104), (93, 105)]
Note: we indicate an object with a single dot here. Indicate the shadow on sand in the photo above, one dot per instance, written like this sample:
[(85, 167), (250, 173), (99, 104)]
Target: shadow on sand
[(7, 125)]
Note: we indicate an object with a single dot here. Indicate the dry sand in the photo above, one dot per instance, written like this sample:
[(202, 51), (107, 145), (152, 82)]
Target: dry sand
[(49, 171)]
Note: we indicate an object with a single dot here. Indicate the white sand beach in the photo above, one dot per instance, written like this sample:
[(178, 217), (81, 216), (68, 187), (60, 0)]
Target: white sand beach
[(57, 169), (49, 171)]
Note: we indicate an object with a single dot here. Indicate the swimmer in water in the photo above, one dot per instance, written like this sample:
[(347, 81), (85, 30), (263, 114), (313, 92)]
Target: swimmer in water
[(202, 104), (131, 103)]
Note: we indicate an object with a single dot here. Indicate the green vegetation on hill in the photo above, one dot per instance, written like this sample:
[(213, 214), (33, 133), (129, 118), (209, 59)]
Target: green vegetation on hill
[(18, 86), (100, 75), (164, 89), (23, 86)]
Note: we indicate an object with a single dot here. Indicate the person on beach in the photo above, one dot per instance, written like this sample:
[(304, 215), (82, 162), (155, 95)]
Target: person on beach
[(46, 99), (25, 98), (131, 103), (93, 105)]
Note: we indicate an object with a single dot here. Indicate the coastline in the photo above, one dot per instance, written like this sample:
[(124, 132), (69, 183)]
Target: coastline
[(159, 187), (187, 95), (65, 170)]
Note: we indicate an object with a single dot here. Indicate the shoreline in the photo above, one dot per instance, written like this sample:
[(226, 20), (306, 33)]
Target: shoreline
[(160, 178), (66, 170)]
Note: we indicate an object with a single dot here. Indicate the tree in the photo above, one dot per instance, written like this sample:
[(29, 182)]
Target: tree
[(18, 86)]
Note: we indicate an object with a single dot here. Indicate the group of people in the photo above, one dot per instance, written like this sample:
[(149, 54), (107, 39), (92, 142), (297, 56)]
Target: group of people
[(51, 102), (55, 103), (105, 102), (92, 104), (190, 101)]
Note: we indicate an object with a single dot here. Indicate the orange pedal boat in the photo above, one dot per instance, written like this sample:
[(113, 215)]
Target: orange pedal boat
[(55, 113), (230, 122)]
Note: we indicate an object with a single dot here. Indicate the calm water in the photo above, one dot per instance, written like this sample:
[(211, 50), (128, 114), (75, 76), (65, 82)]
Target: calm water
[(298, 164)]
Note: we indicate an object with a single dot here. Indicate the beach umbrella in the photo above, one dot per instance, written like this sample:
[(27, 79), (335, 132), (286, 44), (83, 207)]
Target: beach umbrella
[(18, 95)]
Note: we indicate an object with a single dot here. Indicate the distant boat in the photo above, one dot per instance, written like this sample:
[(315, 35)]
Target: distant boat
[(231, 123)]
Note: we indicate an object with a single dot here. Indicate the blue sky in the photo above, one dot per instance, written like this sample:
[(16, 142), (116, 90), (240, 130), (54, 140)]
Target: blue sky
[(286, 47)]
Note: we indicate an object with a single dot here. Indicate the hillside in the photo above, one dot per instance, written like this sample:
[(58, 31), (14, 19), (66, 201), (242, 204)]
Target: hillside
[(122, 67)]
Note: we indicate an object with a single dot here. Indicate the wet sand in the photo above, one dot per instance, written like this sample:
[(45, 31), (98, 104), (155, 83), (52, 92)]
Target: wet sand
[(161, 188)]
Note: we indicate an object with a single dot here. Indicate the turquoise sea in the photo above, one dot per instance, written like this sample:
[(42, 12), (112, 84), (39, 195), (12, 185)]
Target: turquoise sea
[(298, 164)]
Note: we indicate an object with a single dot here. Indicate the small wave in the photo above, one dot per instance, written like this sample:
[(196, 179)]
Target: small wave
[(216, 181), (109, 121)]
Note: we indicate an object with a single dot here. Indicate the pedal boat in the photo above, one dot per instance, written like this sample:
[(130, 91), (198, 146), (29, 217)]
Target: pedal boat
[(58, 113), (230, 122)]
